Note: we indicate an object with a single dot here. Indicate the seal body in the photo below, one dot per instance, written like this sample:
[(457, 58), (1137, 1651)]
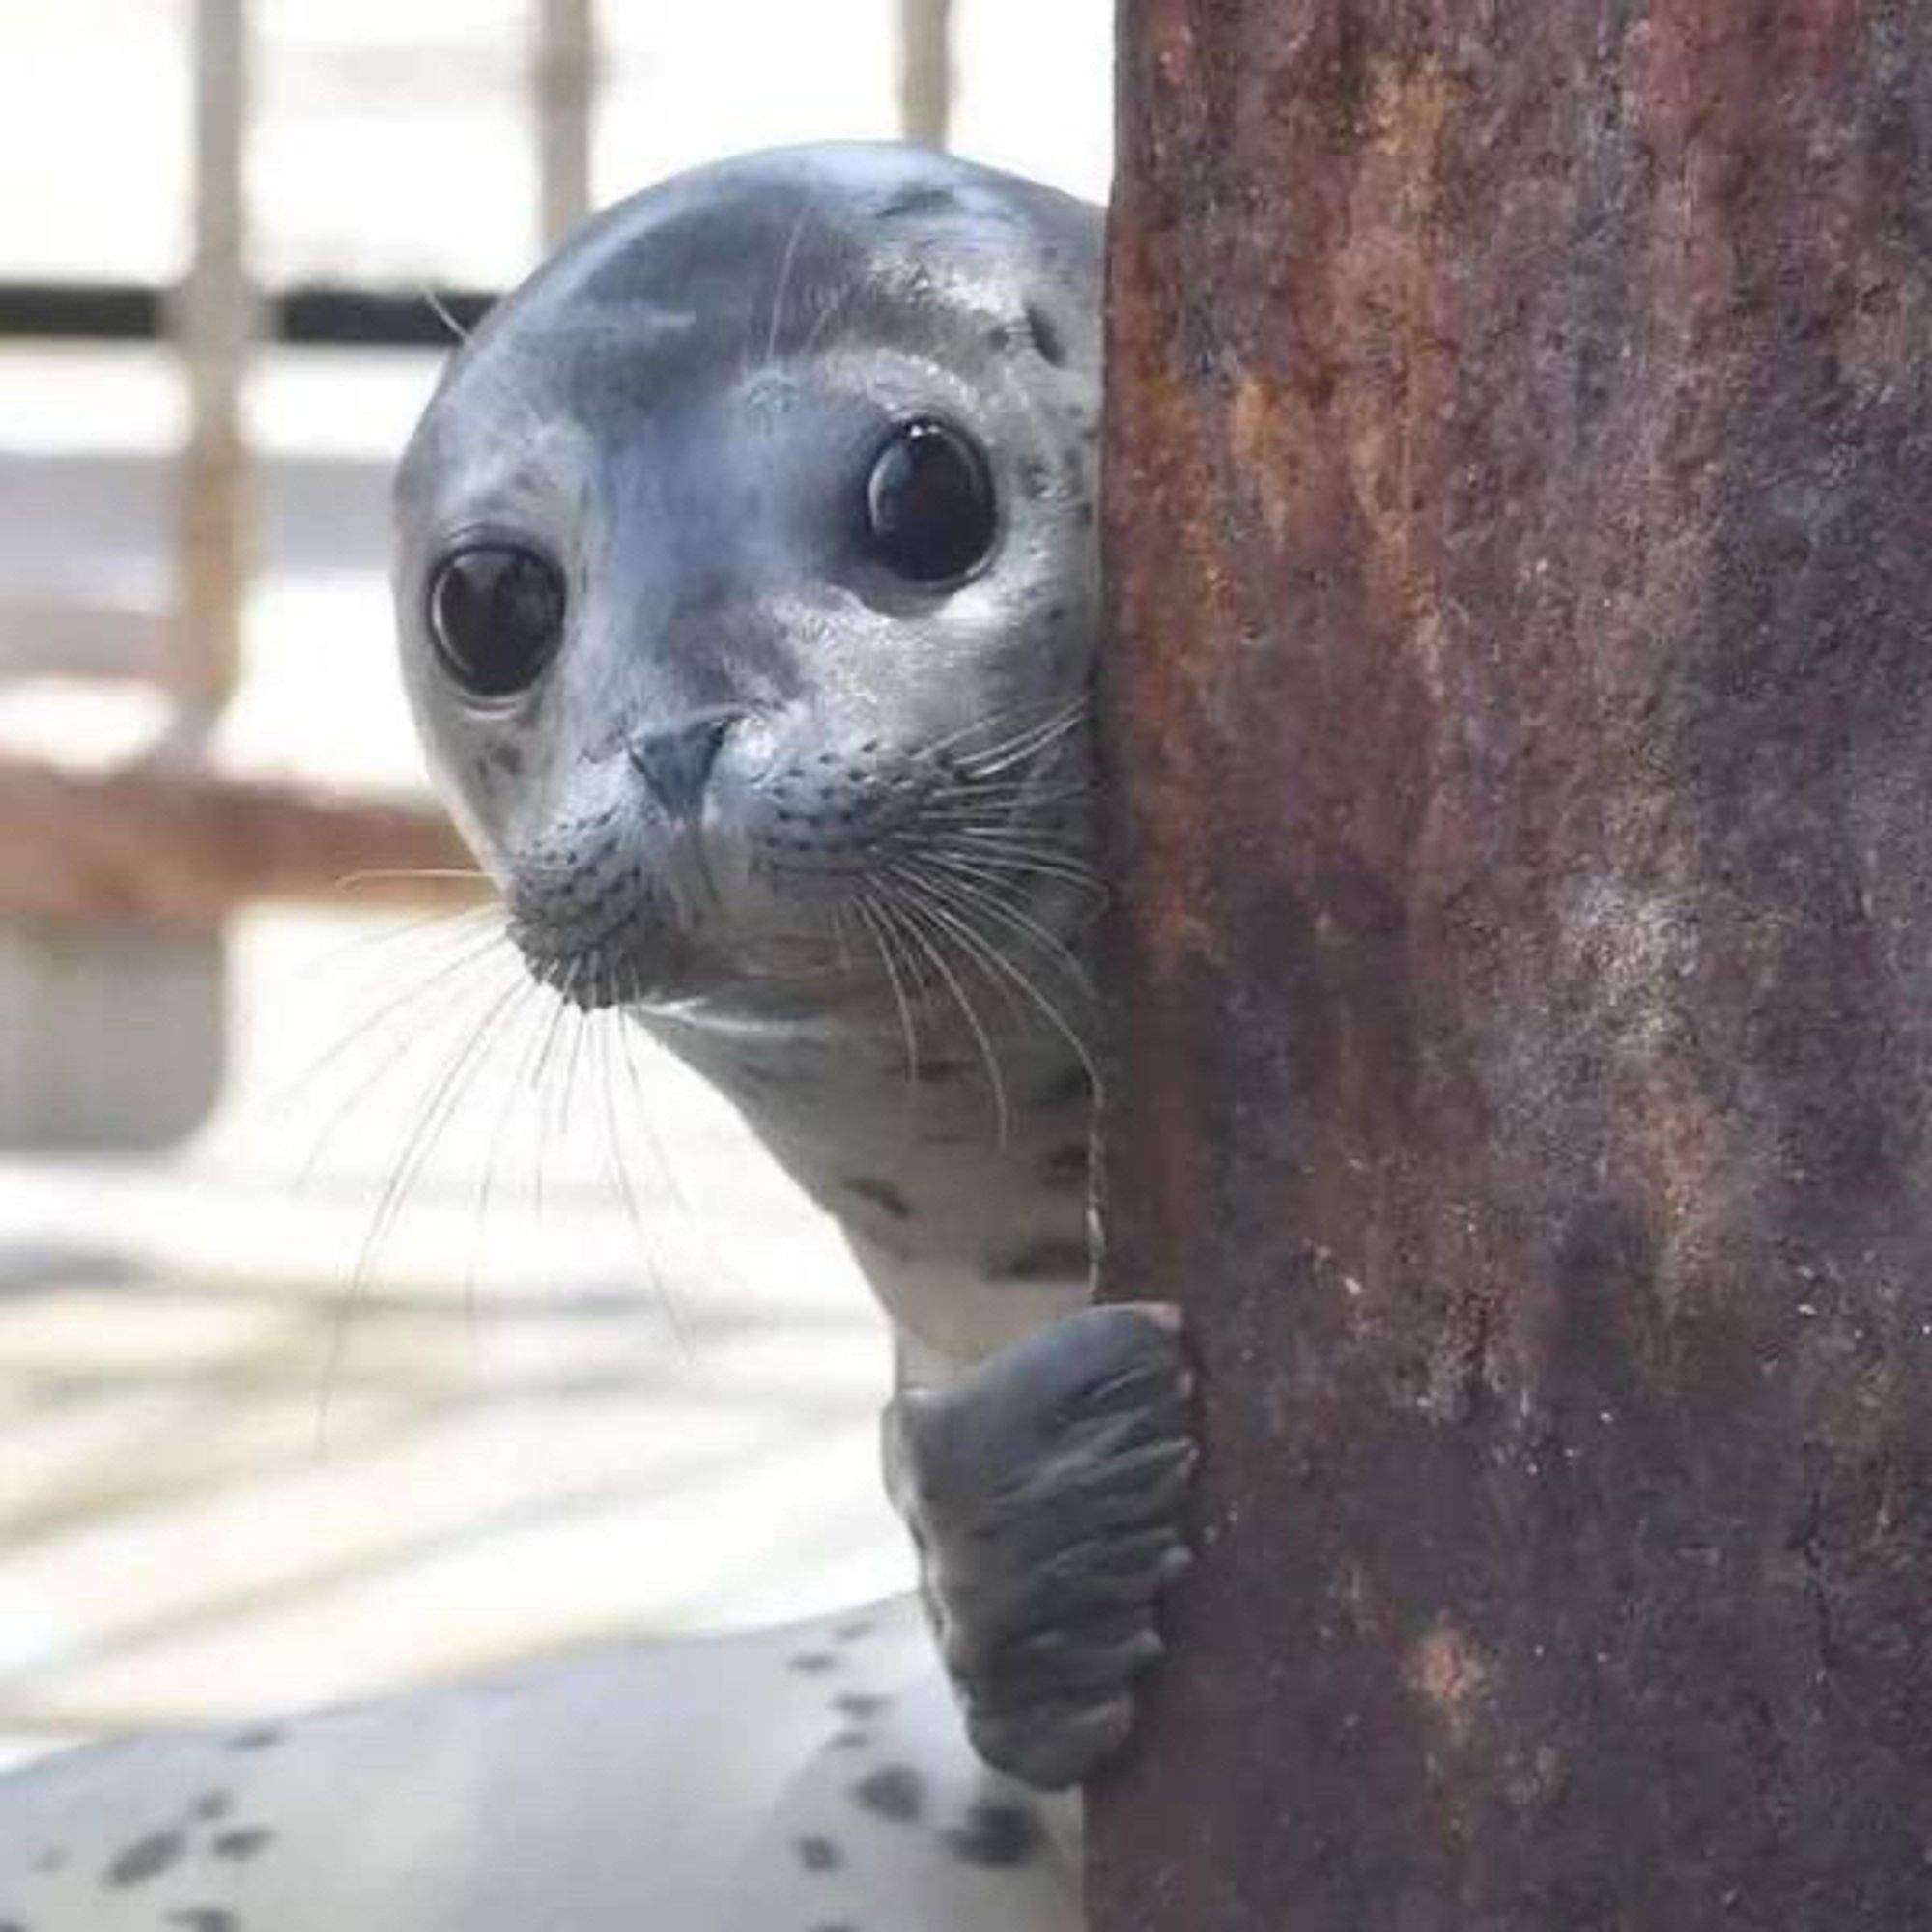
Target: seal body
[(748, 590), (812, 1775)]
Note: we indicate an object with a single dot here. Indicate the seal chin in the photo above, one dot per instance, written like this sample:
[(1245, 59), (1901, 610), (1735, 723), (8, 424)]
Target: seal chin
[(611, 973)]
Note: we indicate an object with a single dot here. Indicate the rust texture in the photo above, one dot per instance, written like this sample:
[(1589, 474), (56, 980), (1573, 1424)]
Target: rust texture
[(1519, 721)]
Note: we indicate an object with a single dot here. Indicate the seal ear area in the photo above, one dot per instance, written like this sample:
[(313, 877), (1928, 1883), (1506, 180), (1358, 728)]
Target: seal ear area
[(495, 609)]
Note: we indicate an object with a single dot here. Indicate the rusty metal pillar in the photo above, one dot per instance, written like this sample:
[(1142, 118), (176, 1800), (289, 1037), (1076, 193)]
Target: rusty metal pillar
[(1520, 727)]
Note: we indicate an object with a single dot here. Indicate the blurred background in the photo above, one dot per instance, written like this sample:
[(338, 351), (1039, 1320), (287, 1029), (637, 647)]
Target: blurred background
[(358, 1323)]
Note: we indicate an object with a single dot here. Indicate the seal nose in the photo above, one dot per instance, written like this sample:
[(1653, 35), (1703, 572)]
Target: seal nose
[(677, 762)]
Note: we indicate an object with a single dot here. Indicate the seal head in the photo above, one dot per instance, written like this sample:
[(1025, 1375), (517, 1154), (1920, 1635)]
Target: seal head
[(746, 576)]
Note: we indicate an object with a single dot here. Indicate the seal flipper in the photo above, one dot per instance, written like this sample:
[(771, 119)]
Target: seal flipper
[(1044, 1488)]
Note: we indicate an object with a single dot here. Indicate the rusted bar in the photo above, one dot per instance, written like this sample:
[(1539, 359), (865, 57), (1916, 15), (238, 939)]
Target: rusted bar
[(564, 73), (180, 847), (216, 323), (1520, 745), (925, 70)]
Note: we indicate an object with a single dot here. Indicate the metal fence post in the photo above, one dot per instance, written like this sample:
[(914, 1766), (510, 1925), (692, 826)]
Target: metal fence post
[(1519, 721), (214, 321), (565, 77)]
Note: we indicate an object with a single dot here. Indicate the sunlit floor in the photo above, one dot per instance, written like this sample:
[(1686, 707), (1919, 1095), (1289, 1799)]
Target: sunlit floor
[(272, 1436)]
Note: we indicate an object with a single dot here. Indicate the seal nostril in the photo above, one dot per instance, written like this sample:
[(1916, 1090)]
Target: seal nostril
[(677, 762)]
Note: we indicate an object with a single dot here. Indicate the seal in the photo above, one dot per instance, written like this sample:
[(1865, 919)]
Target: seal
[(746, 583), (811, 1776)]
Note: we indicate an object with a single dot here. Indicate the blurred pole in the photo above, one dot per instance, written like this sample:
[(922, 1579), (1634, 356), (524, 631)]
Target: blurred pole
[(215, 324), (926, 69), (1517, 428), (565, 77)]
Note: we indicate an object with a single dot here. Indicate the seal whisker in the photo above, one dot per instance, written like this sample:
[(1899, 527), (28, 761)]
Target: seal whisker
[(471, 954), (621, 1172), (540, 1072), (785, 262), (999, 967), (1001, 870), (465, 1058), (667, 1173), (836, 302), (1026, 746), (388, 874), (533, 992), (939, 876), (1000, 844), (870, 915), (1034, 710), (907, 915), (440, 308), (466, 1054)]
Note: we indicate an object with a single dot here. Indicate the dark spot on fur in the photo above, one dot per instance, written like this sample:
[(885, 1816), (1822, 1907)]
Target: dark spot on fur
[(999, 338), (215, 1805), (507, 759), (205, 1918), (893, 1791), (851, 1633), (1065, 1169), (997, 1835), (262, 1737), (882, 1195), (920, 201), (1066, 1090), (859, 1703), (1051, 1260), (145, 1859), (51, 1860), (934, 1072), (812, 1661), (842, 1926), (244, 1842), (1034, 479), (818, 1855), (849, 1741), (1046, 335)]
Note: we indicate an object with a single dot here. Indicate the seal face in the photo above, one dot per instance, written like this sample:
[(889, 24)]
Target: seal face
[(747, 587)]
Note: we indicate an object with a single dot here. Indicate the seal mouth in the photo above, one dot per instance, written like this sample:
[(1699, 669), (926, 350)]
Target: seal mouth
[(599, 936), (607, 972)]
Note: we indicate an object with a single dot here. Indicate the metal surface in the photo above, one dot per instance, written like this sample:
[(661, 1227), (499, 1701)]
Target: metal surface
[(1521, 725)]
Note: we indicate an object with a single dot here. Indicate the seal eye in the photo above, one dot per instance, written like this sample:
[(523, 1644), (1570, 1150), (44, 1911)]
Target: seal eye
[(929, 502), (496, 610)]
